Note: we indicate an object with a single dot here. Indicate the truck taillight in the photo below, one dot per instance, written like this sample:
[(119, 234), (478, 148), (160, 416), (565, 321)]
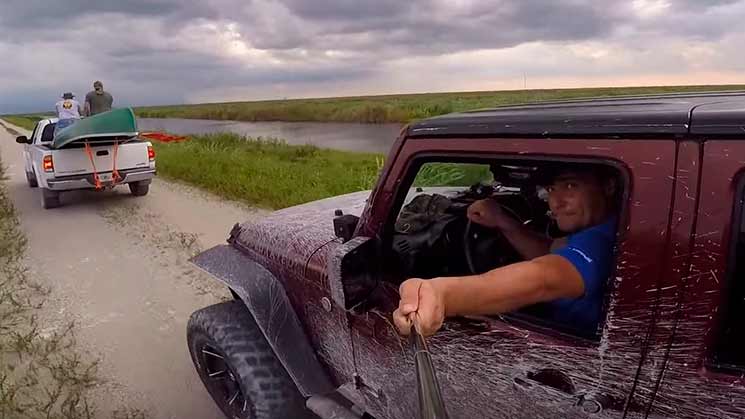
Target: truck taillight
[(48, 164), (150, 153)]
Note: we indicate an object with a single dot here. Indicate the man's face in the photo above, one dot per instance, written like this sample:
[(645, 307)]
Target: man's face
[(578, 201)]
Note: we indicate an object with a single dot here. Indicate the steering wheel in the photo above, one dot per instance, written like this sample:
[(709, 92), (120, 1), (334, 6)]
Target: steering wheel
[(469, 236)]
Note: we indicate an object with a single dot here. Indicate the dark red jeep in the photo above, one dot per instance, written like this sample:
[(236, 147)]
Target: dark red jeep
[(315, 285)]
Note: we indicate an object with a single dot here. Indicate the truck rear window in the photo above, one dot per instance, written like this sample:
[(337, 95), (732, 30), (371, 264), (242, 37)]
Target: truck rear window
[(729, 349), (48, 133)]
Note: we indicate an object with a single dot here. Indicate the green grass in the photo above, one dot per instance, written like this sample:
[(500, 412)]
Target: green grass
[(275, 175), (266, 173), (23, 121), (392, 108), (452, 174)]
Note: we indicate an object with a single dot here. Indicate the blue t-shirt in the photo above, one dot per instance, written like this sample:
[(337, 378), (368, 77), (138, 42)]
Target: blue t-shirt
[(591, 252)]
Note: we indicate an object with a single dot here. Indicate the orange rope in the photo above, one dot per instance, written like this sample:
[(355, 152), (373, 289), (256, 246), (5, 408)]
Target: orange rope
[(96, 179), (115, 173)]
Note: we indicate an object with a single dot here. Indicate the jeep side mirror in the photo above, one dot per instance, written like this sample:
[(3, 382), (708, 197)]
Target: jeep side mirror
[(351, 270), (344, 225), (23, 140)]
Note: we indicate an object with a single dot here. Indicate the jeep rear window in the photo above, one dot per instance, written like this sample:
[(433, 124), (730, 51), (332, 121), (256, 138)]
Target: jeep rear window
[(729, 348)]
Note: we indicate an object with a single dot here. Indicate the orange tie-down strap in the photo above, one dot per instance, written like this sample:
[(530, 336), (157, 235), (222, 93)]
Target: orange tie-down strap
[(115, 173), (89, 152), (162, 137)]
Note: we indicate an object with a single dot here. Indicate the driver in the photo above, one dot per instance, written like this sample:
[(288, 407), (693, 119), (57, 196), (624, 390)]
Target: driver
[(566, 274)]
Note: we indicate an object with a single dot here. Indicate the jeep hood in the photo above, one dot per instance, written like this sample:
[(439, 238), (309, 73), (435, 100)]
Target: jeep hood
[(296, 232)]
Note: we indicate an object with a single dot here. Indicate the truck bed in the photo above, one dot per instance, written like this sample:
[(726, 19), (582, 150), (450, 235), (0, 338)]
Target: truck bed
[(75, 161)]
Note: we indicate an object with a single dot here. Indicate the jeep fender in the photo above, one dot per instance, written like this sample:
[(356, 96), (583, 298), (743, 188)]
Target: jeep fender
[(267, 301)]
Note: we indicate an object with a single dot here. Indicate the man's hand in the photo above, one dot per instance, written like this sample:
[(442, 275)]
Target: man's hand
[(423, 300), (488, 213)]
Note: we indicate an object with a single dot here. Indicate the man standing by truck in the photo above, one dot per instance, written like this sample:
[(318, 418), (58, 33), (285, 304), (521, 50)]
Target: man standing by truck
[(97, 100)]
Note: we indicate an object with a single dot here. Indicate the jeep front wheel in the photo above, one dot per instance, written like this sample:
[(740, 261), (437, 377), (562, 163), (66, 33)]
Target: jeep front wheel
[(238, 367)]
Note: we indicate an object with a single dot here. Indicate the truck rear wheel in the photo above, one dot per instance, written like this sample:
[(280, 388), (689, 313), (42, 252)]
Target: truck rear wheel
[(238, 367), (139, 188), (31, 179), (49, 198)]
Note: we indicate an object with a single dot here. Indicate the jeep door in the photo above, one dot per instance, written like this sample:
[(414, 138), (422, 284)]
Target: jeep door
[(702, 376), (500, 368)]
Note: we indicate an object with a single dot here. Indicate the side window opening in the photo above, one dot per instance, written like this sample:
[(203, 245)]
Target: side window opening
[(728, 351), (432, 237), (48, 133)]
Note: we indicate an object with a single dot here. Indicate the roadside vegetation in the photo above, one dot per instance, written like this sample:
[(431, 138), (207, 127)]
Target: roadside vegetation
[(23, 121), (391, 108), (42, 374), (265, 172), (271, 174)]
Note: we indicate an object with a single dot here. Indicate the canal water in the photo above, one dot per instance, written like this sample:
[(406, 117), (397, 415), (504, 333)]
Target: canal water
[(374, 138)]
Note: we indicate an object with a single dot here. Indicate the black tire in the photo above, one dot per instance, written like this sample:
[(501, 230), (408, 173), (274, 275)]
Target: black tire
[(49, 198), (254, 384), (139, 188), (31, 179)]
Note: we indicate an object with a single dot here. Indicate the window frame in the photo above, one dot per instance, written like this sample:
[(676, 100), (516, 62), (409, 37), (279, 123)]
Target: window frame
[(524, 321), (41, 136), (737, 218), (33, 133)]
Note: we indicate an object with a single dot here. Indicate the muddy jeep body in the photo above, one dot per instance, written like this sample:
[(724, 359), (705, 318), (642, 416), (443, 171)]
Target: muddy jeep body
[(306, 288)]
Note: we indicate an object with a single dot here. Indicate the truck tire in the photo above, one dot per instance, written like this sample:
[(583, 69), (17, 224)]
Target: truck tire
[(49, 198), (31, 179), (238, 367), (139, 188)]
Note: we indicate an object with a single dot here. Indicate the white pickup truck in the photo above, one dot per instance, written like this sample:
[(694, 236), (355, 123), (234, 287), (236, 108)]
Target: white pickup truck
[(77, 167)]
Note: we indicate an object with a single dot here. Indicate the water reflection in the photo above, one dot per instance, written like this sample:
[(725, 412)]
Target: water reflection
[(375, 138)]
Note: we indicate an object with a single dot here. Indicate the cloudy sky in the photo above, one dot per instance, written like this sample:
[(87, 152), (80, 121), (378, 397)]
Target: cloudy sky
[(178, 51)]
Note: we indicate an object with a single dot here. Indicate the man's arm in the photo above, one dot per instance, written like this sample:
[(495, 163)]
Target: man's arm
[(87, 106), (530, 244), (501, 290)]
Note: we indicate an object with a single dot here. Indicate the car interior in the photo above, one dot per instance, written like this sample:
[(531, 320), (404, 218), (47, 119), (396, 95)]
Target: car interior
[(432, 236)]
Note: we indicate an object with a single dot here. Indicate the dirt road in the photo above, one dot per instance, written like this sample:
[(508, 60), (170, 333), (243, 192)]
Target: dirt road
[(117, 266)]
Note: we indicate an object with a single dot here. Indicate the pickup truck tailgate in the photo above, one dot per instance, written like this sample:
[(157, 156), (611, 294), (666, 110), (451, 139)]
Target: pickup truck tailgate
[(75, 161)]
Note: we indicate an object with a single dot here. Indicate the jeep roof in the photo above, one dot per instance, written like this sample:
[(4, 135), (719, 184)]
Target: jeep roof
[(675, 115)]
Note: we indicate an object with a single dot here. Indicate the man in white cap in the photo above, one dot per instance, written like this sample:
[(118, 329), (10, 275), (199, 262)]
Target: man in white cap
[(68, 111)]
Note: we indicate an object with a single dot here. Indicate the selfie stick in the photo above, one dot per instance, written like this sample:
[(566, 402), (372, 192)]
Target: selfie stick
[(431, 405)]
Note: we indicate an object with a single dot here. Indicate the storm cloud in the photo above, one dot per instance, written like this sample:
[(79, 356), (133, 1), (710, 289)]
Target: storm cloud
[(174, 51)]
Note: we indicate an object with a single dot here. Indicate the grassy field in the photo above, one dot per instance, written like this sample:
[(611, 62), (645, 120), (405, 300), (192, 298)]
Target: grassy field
[(23, 121), (266, 173), (392, 108), (379, 109), (273, 175)]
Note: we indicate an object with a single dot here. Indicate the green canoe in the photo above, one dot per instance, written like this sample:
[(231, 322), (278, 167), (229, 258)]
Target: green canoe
[(101, 127)]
